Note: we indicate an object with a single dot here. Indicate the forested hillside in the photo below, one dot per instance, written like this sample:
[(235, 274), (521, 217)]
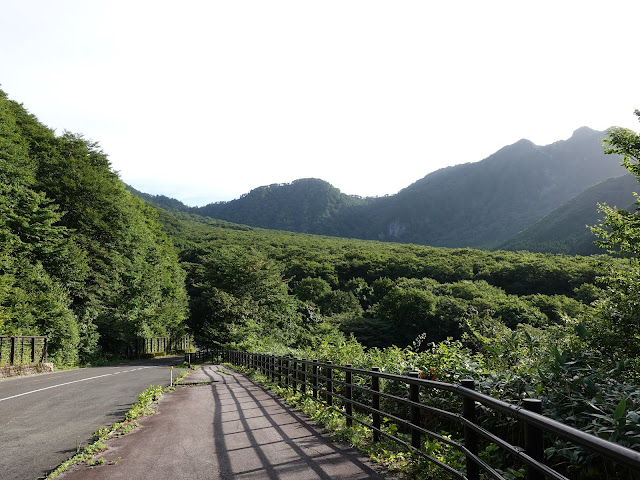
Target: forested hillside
[(484, 203), (307, 205), (385, 293), (81, 260), (480, 205), (565, 230)]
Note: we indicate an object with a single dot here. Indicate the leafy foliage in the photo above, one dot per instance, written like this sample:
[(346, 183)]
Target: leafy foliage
[(81, 260), (617, 326)]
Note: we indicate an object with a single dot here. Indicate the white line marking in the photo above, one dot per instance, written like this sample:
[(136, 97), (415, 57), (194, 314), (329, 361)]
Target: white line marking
[(63, 384)]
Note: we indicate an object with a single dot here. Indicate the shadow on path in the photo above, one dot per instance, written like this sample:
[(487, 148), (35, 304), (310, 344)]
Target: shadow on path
[(230, 429), (258, 436)]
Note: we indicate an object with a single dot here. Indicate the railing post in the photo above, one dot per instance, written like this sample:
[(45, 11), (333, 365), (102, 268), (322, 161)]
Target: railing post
[(267, 364), (329, 395), (294, 375), (375, 401), (347, 395), (470, 436), (33, 349), (12, 356), (287, 370), (414, 396), (303, 376), (280, 369), (272, 365), (533, 440), (314, 380)]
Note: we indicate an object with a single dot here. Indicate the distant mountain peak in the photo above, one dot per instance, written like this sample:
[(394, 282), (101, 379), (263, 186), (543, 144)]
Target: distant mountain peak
[(478, 204), (522, 142), (584, 131)]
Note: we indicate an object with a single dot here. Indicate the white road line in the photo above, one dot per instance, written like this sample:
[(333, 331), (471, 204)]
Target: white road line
[(66, 383)]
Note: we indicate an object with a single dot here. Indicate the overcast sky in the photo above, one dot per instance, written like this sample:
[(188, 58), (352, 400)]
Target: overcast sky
[(205, 100)]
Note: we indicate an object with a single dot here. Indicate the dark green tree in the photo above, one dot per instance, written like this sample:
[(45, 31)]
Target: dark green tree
[(617, 327)]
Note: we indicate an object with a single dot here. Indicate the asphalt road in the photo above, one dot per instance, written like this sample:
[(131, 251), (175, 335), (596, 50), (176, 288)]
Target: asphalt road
[(43, 417)]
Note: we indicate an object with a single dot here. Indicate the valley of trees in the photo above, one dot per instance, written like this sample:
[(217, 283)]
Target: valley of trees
[(87, 263)]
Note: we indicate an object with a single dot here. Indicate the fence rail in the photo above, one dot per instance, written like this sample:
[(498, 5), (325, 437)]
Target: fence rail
[(22, 350), (422, 409), (152, 345)]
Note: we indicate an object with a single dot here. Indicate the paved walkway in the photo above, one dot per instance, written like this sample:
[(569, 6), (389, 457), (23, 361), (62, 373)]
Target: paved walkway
[(231, 429)]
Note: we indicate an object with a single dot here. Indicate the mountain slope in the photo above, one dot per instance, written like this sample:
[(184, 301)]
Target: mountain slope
[(480, 204), (307, 205), (159, 200), (564, 230)]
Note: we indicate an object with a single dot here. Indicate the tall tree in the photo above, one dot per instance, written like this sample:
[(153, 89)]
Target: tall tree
[(618, 326), (81, 259)]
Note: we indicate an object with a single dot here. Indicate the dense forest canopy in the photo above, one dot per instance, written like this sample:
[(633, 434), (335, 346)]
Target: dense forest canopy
[(82, 260), (361, 285)]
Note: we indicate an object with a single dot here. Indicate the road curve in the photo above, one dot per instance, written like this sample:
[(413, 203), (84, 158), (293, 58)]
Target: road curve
[(43, 417)]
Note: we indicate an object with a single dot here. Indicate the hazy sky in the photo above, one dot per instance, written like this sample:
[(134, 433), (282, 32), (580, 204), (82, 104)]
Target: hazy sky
[(205, 100)]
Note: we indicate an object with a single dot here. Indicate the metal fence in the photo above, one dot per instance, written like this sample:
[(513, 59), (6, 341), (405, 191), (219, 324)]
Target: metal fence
[(22, 350), (410, 410), (152, 345)]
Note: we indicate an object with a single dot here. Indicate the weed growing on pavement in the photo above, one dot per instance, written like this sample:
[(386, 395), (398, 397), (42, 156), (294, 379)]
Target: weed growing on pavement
[(189, 366), (143, 407), (224, 371)]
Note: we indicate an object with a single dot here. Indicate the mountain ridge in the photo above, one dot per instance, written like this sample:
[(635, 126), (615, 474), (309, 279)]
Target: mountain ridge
[(479, 204)]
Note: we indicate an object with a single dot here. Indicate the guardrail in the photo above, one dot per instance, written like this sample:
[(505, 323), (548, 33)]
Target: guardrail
[(422, 409), (22, 350)]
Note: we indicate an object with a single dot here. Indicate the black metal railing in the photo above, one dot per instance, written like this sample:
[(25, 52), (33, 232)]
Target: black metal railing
[(23, 350), (422, 409)]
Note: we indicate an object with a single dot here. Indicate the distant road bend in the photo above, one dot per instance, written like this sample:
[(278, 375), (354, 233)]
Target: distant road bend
[(43, 417)]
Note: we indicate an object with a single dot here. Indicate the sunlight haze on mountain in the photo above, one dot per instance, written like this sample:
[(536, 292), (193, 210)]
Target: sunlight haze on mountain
[(205, 101)]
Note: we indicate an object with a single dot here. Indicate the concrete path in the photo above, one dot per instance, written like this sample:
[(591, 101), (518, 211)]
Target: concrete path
[(231, 429), (44, 417)]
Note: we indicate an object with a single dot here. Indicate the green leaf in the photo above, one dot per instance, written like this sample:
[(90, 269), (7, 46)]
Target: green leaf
[(621, 410)]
